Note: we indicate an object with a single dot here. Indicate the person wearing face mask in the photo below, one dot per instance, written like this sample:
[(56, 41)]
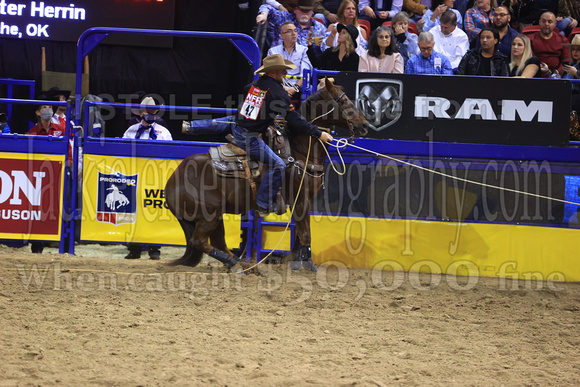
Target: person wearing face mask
[(138, 113), (147, 129), (56, 94), (44, 125)]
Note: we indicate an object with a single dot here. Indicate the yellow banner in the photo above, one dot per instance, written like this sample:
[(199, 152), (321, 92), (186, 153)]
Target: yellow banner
[(124, 201)]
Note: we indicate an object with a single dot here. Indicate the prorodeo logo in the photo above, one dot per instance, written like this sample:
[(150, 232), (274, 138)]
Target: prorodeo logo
[(117, 198)]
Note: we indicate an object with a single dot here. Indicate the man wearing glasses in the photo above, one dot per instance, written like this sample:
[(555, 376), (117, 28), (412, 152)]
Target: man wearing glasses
[(302, 19), (428, 61), (295, 53), (501, 21)]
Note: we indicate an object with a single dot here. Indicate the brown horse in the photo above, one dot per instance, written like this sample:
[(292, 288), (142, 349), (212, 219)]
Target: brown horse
[(198, 198)]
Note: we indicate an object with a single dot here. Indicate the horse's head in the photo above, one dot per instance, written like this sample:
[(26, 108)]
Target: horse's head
[(350, 117)]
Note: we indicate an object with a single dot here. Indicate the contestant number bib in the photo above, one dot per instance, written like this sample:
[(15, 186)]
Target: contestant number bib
[(253, 103)]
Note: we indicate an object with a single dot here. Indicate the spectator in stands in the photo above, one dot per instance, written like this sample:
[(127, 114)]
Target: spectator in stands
[(416, 10), (485, 60), (523, 62), (138, 113), (327, 10), (438, 8), (500, 20), (377, 12), (147, 129), (572, 71), (56, 94), (549, 46), (341, 57), (450, 40), (382, 55), (564, 22), (428, 61), (346, 16), (302, 19), (406, 41), (279, 6), (295, 53), (523, 13), (477, 18), (4, 128)]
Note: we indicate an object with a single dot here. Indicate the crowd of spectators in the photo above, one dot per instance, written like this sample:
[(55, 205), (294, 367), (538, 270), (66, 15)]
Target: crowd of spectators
[(431, 36)]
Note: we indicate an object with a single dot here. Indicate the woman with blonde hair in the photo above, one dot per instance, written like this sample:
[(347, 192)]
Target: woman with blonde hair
[(523, 62), (572, 71), (347, 15), (340, 58), (382, 56)]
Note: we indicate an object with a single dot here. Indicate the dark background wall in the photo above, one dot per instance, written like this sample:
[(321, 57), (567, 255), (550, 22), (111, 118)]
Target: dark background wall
[(209, 69)]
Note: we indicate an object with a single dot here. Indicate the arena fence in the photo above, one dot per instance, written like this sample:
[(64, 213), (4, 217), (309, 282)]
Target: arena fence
[(413, 205)]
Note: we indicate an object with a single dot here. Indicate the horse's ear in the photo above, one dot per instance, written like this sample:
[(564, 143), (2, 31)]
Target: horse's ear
[(329, 83)]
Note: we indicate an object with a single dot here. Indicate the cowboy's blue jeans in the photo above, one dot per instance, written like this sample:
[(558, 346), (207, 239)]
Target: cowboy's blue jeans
[(222, 125), (259, 151)]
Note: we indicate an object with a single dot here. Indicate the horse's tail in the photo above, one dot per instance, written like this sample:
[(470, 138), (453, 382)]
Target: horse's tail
[(192, 255)]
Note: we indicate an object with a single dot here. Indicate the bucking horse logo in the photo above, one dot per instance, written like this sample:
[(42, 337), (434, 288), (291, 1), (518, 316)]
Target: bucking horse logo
[(117, 198)]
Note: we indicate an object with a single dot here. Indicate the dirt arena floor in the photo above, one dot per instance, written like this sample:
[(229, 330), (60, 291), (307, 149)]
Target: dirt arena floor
[(98, 319)]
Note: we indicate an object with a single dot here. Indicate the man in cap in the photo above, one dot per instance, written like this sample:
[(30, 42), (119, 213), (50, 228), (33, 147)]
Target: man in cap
[(264, 99)]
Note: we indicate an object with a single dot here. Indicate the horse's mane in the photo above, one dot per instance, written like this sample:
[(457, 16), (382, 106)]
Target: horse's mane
[(306, 107)]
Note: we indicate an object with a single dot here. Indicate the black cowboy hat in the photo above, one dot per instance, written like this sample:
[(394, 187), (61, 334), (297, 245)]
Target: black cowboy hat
[(35, 107), (54, 91), (352, 31)]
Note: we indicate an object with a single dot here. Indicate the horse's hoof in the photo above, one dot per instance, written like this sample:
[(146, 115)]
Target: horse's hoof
[(237, 270), (309, 265), (295, 265)]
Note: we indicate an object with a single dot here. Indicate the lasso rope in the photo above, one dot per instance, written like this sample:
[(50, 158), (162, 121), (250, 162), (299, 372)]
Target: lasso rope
[(291, 212), (342, 143)]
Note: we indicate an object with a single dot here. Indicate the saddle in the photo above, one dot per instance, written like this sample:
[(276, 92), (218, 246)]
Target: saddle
[(229, 159)]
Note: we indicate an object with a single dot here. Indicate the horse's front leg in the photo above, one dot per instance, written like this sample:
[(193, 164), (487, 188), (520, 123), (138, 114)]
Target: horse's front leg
[(213, 229)]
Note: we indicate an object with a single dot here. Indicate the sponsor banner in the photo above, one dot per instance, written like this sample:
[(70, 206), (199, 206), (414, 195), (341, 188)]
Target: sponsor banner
[(462, 109), (455, 248), (31, 196), (124, 201)]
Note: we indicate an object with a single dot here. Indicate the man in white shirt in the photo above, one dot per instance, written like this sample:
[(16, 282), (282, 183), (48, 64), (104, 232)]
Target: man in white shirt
[(295, 53), (450, 40)]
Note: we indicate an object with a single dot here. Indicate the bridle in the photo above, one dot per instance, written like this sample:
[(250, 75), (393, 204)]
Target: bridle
[(346, 111)]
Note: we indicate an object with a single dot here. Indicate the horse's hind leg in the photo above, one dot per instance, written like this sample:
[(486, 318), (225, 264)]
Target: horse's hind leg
[(192, 255)]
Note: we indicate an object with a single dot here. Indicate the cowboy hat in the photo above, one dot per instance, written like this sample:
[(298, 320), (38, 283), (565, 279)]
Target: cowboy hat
[(275, 62), (575, 41), (54, 91), (352, 31), (306, 5)]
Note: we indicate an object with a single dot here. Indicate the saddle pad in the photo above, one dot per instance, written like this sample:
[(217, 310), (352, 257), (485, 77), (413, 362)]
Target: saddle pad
[(231, 166)]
